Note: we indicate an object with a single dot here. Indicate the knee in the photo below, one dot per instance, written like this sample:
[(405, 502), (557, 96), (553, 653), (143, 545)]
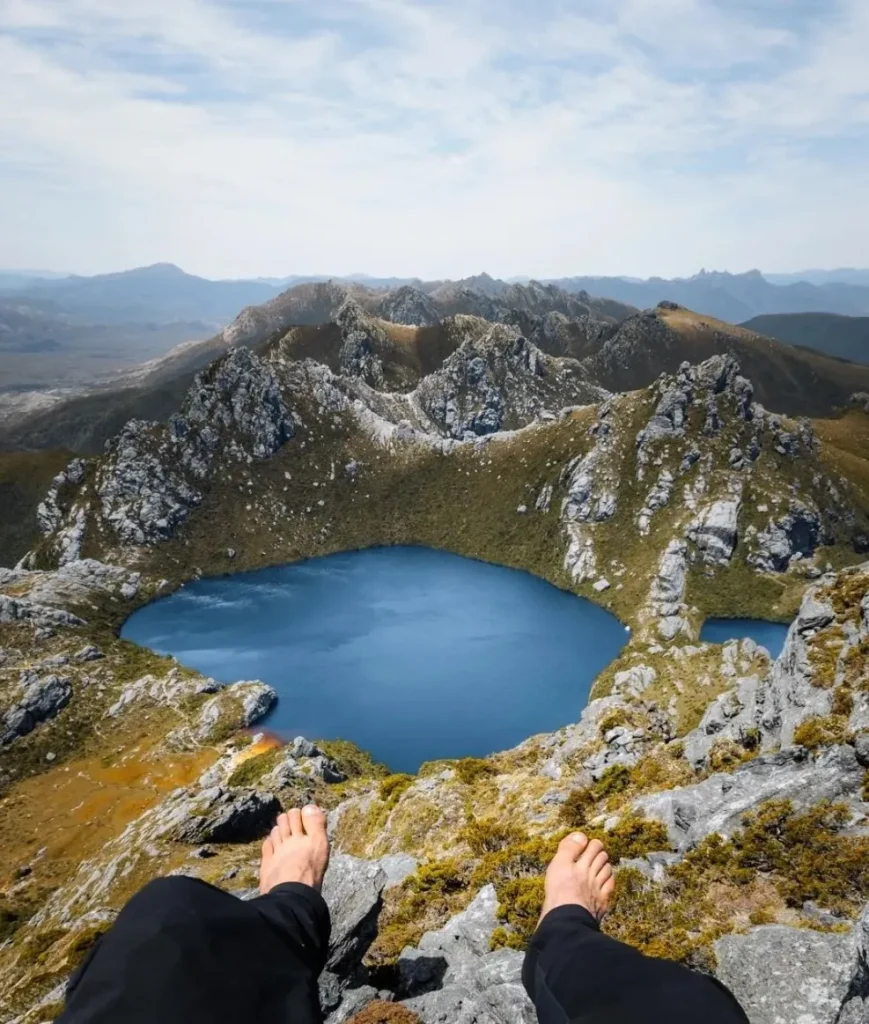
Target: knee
[(168, 898)]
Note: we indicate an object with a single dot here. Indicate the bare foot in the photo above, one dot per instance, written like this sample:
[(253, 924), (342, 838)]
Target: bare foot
[(297, 850), (580, 875)]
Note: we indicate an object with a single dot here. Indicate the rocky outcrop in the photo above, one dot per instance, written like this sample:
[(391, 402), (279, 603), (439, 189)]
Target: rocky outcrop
[(362, 339), (408, 305), (796, 535), (39, 699), (151, 477), (668, 590), (781, 975), (715, 531), (50, 512), (84, 583), (215, 815), (235, 707), (452, 975), (17, 610), (354, 892), (718, 803), (500, 381)]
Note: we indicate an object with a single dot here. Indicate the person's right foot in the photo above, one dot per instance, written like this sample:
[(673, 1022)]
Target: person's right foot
[(296, 851), (580, 875)]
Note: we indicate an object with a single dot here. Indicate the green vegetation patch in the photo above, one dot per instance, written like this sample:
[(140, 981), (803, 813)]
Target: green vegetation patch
[(393, 786), (353, 761), (252, 769), (775, 860), (822, 731)]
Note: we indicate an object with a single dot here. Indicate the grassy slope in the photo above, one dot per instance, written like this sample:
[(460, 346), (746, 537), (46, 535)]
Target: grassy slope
[(24, 480), (844, 337), (793, 381)]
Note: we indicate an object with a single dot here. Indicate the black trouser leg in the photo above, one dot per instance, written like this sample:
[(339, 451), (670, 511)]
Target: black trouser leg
[(574, 973), (183, 951)]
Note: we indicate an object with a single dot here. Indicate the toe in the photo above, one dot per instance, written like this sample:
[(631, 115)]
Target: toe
[(284, 826), (598, 863), (591, 851), (295, 817), (275, 838), (605, 873), (268, 848), (313, 820), (570, 848), (606, 890)]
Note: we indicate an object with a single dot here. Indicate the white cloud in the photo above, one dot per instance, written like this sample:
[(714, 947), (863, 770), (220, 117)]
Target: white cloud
[(435, 138)]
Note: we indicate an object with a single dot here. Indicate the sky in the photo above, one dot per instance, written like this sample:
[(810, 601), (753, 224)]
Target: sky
[(436, 138)]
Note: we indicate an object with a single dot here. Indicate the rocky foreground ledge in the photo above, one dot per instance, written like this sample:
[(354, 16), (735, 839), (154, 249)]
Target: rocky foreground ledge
[(742, 841)]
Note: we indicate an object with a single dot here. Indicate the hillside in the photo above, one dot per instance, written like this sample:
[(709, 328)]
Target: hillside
[(665, 504), (799, 382), (24, 480), (845, 337)]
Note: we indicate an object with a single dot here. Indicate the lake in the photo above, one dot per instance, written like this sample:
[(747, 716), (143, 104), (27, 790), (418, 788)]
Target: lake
[(412, 654), (771, 635)]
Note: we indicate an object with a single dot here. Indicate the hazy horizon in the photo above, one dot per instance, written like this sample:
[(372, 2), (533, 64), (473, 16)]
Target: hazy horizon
[(574, 137), (47, 274)]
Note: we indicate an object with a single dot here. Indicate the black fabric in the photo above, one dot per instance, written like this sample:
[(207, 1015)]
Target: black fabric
[(574, 973), (183, 951)]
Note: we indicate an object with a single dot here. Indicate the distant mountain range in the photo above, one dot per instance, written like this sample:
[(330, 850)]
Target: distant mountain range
[(59, 331), (731, 297)]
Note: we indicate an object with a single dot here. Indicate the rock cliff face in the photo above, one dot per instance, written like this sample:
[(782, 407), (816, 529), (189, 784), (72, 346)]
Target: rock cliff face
[(720, 779)]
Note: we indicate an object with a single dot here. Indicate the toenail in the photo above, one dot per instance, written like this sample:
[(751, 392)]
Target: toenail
[(310, 809), (577, 837)]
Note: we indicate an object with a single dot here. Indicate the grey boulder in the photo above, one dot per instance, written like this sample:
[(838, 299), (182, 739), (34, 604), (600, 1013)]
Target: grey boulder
[(217, 815), (786, 975), (40, 700), (718, 803)]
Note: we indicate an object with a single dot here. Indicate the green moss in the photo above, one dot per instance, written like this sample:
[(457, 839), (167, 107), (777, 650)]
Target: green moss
[(353, 762), (824, 652), (659, 923), (846, 595), (802, 856), (615, 779), (612, 719), (423, 902), (725, 755), (634, 836), (856, 665), (393, 786), (380, 1012), (577, 808), (843, 702), (817, 731), (502, 938), (489, 835), (471, 769), (251, 770)]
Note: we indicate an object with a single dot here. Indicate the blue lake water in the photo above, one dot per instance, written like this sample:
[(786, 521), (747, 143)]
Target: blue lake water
[(412, 654), (771, 635)]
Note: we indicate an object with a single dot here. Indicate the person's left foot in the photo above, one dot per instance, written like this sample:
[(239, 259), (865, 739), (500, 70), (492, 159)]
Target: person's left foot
[(297, 850)]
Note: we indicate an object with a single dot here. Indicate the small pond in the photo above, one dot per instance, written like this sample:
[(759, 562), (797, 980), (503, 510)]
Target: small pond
[(412, 654), (771, 635)]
